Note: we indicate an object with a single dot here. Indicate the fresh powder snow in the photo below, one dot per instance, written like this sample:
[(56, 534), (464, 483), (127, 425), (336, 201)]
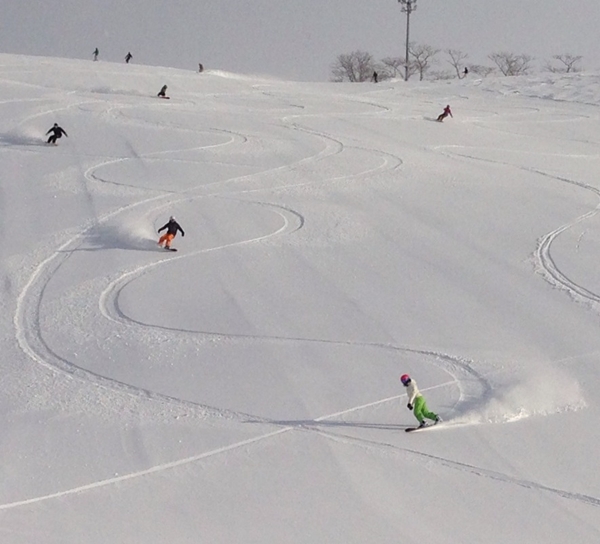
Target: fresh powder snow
[(246, 389)]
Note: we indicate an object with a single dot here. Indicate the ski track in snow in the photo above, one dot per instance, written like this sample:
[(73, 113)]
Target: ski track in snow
[(27, 319), (542, 253), (193, 459), (460, 466), (30, 335)]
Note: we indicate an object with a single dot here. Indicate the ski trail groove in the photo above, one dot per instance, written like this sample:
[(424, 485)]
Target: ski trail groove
[(464, 467), (27, 319), (30, 313), (109, 298), (30, 335), (542, 254), (192, 459)]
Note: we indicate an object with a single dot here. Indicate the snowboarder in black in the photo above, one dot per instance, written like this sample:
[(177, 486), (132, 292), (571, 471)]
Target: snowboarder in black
[(128, 57), (172, 227), (96, 53), (200, 68), (162, 93), (374, 77), (57, 132)]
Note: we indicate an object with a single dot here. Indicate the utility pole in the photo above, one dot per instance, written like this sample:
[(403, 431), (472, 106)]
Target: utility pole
[(407, 6)]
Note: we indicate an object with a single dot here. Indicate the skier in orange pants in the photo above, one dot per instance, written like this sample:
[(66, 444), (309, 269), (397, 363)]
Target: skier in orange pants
[(172, 227)]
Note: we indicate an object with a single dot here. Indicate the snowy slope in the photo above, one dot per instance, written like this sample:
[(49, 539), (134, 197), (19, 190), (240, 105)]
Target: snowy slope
[(246, 389)]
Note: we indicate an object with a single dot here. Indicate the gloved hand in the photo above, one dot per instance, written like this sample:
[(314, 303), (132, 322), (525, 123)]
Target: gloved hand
[(158, 231), (182, 234), (409, 406)]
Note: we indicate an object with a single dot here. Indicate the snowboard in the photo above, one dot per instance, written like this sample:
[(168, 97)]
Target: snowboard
[(165, 97), (411, 429), (170, 249)]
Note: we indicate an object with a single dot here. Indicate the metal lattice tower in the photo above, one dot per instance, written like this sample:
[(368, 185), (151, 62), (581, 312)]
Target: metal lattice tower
[(407, 6)]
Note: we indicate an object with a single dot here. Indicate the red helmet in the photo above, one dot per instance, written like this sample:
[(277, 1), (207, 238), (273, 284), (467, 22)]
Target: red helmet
[(405, 379)]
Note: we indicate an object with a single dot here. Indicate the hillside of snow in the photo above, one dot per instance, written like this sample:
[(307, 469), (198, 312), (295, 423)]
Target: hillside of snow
[(245, 390)]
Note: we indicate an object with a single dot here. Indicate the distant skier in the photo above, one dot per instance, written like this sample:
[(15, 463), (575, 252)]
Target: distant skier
[(57, 132), (96, 53), (445, 114), (200, 68), (172, 227), (128, 57), (416, 401), (163, 92), (465, 72), (374, 77)]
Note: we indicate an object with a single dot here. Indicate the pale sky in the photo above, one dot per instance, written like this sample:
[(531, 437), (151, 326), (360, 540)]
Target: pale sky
[(294, 39)]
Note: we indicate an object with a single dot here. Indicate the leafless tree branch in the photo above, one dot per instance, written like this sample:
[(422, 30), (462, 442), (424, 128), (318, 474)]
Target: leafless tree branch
[(456, 60), (355, 67), (510, 64), (422, 56), (567, 64)]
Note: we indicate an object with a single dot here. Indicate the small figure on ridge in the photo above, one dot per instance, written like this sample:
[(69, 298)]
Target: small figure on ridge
[(163, 92)]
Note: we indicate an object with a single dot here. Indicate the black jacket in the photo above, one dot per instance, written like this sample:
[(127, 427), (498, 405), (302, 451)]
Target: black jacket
[(58, 132), (172, 228)]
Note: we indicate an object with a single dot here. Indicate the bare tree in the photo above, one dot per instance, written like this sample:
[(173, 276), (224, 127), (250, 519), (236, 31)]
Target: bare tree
[(394, 67), (456, 60), (510, 64), (422, 58), (481, 70), (354, 67), (568, 64)]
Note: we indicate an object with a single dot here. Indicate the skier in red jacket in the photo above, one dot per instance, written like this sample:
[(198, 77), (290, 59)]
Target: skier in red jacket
[(445, 114)]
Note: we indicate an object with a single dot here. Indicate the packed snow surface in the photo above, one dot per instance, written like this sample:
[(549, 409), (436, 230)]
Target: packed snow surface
[(245, 390)]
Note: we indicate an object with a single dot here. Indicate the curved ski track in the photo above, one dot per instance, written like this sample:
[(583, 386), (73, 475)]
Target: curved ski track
[(30, 335), (542, 254)]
